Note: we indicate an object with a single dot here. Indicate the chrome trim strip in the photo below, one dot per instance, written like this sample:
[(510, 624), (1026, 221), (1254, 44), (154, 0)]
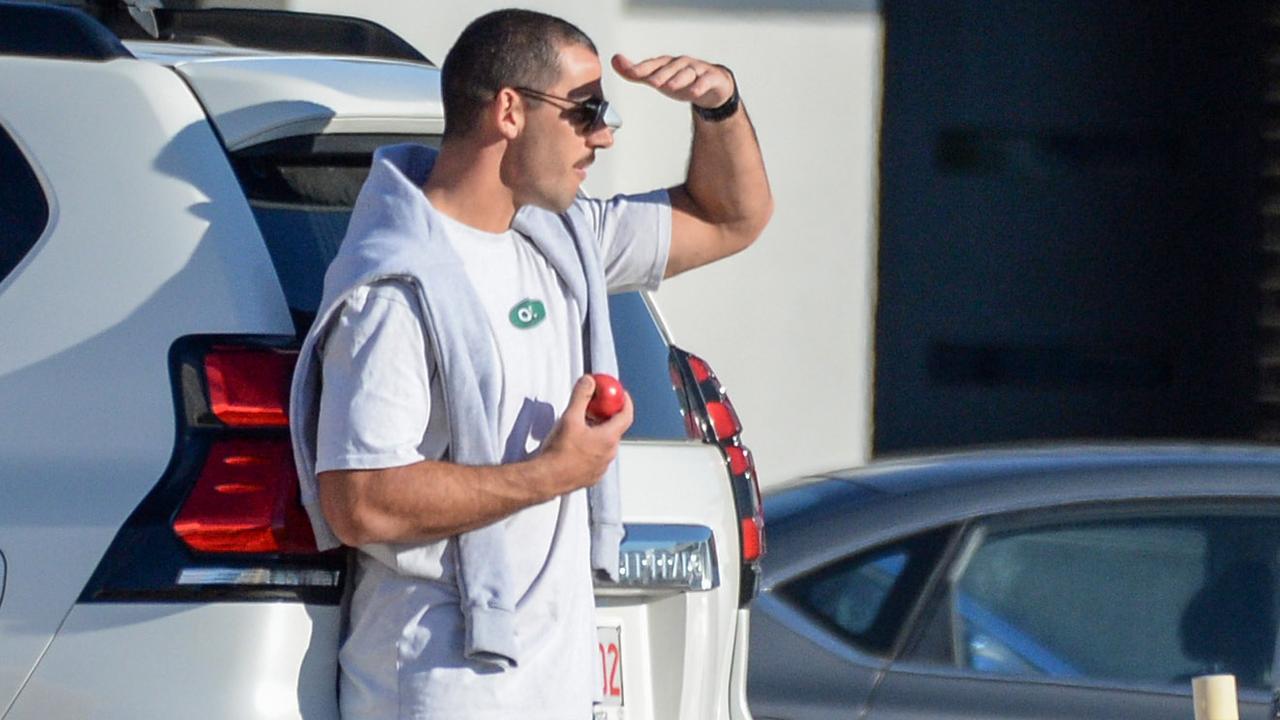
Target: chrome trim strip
[(2, 574), (669, 557), (259, 576)]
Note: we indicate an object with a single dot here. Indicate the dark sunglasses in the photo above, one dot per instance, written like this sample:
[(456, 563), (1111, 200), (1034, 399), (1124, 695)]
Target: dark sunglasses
[(589, 114)]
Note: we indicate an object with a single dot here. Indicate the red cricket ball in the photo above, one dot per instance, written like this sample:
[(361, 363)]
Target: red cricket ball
[(607, 400)]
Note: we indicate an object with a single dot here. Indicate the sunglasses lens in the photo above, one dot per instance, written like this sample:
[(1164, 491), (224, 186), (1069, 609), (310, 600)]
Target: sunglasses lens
[(610, 117)]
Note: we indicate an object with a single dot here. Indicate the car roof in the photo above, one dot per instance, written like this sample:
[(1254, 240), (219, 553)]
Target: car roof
[(913, 473), (824, 516)]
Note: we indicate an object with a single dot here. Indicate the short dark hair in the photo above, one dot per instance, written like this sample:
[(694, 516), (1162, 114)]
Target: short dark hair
[(505, 48)]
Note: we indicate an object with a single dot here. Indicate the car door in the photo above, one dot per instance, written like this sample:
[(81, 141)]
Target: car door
[(824, 638), (1099, 613)]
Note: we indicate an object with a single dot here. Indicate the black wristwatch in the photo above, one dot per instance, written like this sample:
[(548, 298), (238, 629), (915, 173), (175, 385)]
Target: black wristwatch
[(730, 106)]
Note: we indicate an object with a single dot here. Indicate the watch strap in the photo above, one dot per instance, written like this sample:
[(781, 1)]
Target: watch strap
[(725, 110)]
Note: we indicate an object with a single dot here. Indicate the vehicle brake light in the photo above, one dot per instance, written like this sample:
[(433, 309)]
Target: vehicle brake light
[(739, 459), (709, 416), (724, 421), (752, 538), (245, 500), (700, 369), (224, 522), (249, 387)]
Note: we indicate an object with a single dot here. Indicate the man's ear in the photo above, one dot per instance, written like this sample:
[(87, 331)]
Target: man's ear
[(507, 113)]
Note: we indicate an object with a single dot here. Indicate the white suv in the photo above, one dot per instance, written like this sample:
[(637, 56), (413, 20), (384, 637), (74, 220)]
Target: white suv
[(168, 202)]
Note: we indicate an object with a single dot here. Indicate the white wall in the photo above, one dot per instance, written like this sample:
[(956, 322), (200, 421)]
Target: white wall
[(788, 324)]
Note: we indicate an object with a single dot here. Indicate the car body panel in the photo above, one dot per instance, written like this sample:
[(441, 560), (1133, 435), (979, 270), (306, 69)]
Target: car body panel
[(254, 99), (915, 692), (834, 681), (1007, 481), (830, 518), (72, 471), (255, 661), (684, 663)]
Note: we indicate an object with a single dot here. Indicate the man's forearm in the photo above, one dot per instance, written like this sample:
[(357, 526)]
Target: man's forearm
[(726, 182), (429, 500), (725, 200)]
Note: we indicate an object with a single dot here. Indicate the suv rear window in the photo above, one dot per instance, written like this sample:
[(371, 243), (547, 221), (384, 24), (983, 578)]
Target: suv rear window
[(24, 211), (302, 191)]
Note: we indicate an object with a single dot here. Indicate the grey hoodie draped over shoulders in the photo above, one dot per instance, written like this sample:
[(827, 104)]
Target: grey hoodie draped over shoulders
[(395, 233)]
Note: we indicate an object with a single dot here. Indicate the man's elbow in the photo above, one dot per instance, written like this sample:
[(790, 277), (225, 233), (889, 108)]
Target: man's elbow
[(350, 529), (353, 522), (750, 227), (762, 217)]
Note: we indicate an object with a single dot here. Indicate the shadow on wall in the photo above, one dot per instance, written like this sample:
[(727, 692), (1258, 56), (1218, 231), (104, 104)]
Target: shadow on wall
[(793, 6)]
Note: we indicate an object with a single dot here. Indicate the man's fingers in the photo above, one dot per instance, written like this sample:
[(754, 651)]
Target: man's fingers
[(681, 78), (638, 72), (622, 65), (664, 74), (580, 396), (702, 85)]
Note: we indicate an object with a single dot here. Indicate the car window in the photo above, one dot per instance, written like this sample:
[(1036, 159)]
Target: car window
[(1132, 599), (24, 211), (867, 597), (644, 367), (302, 190)]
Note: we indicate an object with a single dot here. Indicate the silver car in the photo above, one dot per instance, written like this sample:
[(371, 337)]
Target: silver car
[(1080, 583)]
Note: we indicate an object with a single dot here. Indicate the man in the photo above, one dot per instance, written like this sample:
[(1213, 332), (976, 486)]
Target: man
[(437, 423)]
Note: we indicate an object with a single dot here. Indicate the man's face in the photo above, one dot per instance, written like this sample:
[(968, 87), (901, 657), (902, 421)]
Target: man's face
[(549, 160)]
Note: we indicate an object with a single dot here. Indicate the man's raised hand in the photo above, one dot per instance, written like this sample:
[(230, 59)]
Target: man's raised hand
[(681, 78)]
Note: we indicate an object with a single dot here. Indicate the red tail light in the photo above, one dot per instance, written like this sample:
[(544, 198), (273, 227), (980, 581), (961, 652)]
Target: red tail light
[(724, 421), (710, 417), (700, 369), (752, 538), (249, 387), (739, 460), (245, 498), (246, 501), (224, 521)]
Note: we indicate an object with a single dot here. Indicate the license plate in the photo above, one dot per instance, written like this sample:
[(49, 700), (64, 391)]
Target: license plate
[(610, 648)]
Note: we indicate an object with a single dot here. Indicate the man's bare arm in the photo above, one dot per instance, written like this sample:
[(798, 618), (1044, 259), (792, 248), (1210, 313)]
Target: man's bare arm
[(725, 201), (430, 500)]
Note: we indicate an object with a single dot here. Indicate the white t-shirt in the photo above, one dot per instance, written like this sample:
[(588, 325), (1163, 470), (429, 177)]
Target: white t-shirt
[(381, 406)]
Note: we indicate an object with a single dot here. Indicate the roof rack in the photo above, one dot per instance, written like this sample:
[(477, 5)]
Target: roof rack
[(51, 31)]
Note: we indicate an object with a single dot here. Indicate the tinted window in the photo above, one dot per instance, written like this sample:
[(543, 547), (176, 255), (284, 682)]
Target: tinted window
[(645, 370), (24, 211), (1132, 599), (302, 191), (867, 597)]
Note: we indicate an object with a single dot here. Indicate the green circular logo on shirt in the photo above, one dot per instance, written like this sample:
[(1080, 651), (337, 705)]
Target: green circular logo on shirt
[(527, 313)]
